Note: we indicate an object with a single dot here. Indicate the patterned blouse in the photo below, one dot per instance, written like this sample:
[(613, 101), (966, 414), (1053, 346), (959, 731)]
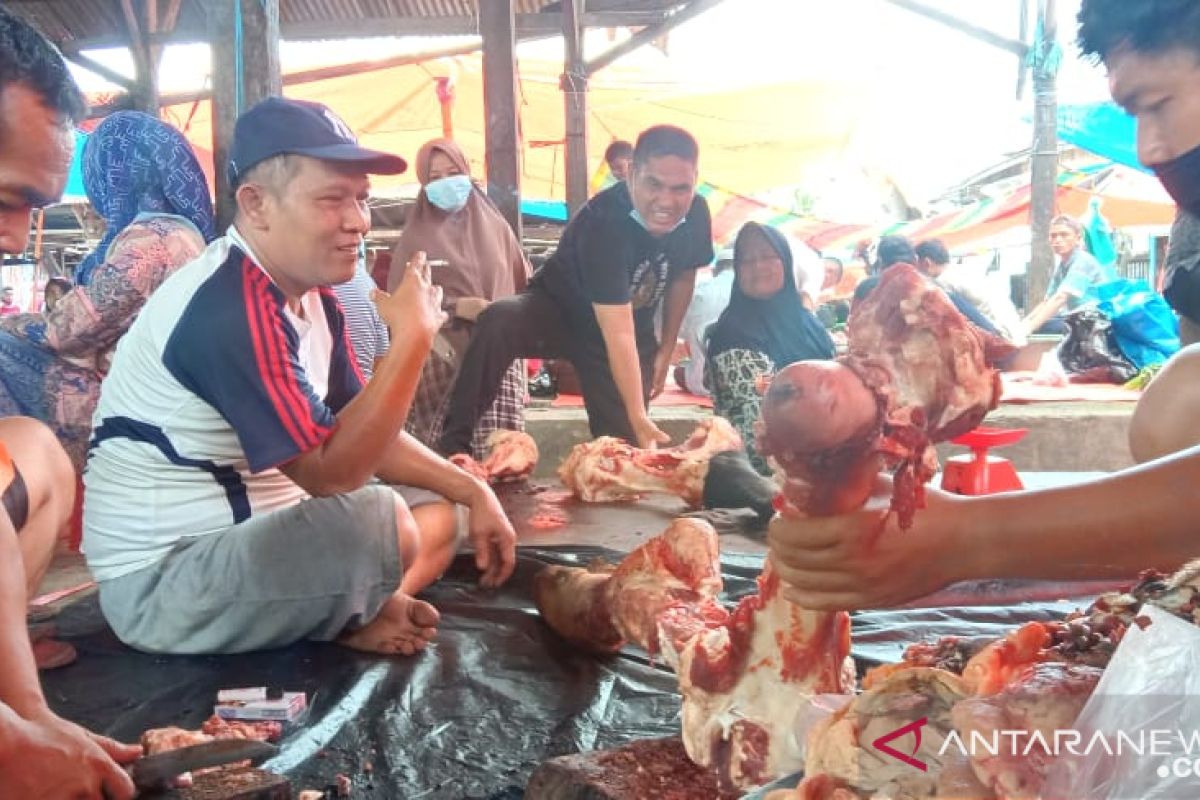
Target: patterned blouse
[(68, 350), (733, 376)]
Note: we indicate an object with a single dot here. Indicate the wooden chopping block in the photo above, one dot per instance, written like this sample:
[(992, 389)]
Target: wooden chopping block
[(237, 784), (651, 768)]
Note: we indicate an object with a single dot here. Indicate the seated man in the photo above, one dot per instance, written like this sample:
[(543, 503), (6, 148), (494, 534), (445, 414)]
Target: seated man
[(229, 505), (1077, 271), (595, 300)]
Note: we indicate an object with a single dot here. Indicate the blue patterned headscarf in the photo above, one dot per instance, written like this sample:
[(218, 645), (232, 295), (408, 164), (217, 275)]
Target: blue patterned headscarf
[(134, 164)]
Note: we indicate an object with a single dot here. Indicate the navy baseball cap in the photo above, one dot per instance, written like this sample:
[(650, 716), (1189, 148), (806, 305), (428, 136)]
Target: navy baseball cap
[(279, 125)]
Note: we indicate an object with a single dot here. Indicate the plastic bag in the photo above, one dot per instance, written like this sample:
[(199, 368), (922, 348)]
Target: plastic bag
[(1144, 325), (1050, 370), (1148, 698), (1090, 353)]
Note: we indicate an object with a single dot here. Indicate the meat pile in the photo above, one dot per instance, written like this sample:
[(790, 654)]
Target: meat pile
[(160, 740), (511, 456), (917, 373), (1035, 680), (608, 468), (743, 674)]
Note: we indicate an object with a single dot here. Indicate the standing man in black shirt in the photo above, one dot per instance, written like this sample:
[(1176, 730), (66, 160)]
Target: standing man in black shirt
[(633, 246)]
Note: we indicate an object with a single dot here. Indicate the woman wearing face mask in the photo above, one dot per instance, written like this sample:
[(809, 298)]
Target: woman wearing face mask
[(453, 221), (764, 328)]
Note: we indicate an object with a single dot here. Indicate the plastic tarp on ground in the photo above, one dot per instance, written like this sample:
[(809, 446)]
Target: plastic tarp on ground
[(472, 717)]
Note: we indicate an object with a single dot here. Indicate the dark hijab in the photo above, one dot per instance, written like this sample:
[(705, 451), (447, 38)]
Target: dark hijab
[(779, 325)]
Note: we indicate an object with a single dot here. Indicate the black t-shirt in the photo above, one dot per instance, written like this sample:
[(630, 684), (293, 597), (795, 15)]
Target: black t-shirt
[(605, 256)]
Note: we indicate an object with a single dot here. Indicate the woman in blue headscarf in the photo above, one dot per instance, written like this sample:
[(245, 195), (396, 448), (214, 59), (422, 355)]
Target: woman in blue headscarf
[(764, 328), (143, 178)]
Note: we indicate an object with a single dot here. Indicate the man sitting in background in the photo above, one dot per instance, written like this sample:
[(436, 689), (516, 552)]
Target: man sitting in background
[(1077, 271)]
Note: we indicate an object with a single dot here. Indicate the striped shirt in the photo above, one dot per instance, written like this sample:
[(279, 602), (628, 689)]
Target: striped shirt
[(368, 333), (215, 385)]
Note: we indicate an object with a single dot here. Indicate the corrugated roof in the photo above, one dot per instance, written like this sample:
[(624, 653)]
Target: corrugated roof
[(72, 23)]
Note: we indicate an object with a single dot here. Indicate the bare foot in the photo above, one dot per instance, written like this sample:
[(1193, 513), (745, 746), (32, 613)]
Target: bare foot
[(403, 626)]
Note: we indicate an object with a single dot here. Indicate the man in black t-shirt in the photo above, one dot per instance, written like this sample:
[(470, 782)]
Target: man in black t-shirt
[(633, 247)]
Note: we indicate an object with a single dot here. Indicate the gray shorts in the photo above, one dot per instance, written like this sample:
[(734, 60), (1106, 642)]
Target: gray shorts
[(305, 572)]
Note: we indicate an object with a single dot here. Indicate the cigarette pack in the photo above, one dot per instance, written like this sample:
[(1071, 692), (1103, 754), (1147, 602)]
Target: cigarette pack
[(259, 703)]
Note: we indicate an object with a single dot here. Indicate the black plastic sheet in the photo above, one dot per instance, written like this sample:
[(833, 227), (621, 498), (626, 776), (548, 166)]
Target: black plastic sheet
[(493, 697)]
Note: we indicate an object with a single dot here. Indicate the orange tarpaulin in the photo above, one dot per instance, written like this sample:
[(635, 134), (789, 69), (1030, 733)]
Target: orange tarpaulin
[(753, 138)]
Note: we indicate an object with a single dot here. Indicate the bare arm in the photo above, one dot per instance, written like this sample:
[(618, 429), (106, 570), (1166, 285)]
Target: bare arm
[(679, 297), (41, 754), (1165, 419), (620, 341), (369, 426), (1044, 311), (1113, 527), (492, 535), (19, 687)]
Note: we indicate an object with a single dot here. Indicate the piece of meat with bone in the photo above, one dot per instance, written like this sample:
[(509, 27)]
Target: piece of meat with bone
[(679, 570), (1040, 700), (598, 609), (610, 469), (917, 373), (743, 675), (745, 680), (511, 456)]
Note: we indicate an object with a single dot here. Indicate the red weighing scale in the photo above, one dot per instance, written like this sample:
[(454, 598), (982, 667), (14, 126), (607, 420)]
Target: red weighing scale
[(978, 472)]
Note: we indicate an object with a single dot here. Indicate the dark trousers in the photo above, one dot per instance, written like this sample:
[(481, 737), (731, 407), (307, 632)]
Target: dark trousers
[(532, 324)]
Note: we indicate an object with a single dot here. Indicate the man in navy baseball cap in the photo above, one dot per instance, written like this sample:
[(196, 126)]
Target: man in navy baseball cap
[(282, 437), (278, 126)]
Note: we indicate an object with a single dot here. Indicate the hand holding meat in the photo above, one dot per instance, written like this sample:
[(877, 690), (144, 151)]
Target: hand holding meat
[(862, 558), (47, 758), (414, 309)]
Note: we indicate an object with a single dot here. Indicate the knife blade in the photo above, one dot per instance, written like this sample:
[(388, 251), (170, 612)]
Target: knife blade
[(151, 772)]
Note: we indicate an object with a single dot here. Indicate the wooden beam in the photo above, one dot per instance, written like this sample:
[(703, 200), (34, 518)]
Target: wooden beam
[(982, 34), (528, 26), (1044, 163), (95, 67), (145, 98), (322, 73), (575, 88), (497, 25), (245, 53), (647, 35)]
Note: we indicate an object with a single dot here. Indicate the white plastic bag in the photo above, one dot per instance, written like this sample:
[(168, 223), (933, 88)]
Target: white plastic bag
[(1050, 370), (1146, 710)]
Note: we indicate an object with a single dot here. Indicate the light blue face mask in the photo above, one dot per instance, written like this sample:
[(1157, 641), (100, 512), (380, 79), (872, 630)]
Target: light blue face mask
[(449, 193), (640, 221)]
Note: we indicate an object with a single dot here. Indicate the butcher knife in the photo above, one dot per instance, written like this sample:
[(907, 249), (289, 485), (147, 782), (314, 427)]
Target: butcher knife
[(157, 771)]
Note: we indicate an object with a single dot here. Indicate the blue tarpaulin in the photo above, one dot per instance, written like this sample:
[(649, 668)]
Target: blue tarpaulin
[(1101, 128)]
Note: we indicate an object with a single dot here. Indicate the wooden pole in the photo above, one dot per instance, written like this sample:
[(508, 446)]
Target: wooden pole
[(245, 53), (1044, 167), (575, 86), (500, 108)]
